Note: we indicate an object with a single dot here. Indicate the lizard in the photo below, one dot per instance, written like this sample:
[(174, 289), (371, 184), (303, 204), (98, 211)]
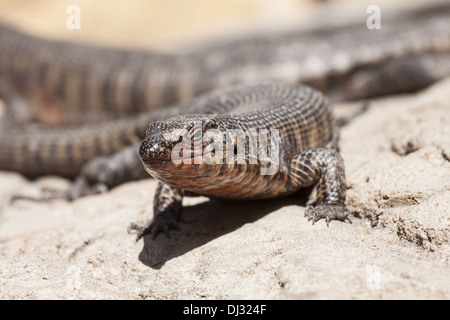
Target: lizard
[(305, 149)]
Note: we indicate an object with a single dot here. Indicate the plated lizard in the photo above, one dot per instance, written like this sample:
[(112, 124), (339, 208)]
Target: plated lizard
[(305, 143)]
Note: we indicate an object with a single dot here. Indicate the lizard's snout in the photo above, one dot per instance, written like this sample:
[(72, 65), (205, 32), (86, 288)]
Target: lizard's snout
[(144, 150), (154, 149)]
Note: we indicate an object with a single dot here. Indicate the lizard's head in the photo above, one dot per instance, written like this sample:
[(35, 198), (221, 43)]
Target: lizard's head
[(178, 146), (203, 154)]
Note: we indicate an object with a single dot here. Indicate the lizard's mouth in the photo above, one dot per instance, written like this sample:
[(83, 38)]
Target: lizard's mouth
[(154, 152), (188, 165), (164, 160)]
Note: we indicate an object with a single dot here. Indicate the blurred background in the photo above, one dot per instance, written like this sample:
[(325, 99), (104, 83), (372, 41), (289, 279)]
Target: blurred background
[(166, 25)]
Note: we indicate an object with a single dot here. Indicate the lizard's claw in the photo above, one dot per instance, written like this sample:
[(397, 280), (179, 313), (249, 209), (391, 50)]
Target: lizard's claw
[(328, 212), (160, 223)]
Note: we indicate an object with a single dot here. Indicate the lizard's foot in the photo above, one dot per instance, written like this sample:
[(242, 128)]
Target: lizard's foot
[(328, 212), (161, 223)]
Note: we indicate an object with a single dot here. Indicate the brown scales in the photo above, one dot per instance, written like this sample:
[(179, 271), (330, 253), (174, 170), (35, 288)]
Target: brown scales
[(307, 131)]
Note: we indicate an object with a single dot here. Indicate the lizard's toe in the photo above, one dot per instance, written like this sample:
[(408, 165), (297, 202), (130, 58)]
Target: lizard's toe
[(328, 212), (159, 224)]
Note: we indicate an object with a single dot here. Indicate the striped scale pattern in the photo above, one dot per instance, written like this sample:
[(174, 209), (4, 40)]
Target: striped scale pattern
[(308, 134)]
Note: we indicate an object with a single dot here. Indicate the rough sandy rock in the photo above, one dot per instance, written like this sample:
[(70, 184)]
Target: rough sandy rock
[(401, 179), (397, 165)]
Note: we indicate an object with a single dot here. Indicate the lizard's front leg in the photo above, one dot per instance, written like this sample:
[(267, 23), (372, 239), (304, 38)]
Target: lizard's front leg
[(324, 168), (166, 211)]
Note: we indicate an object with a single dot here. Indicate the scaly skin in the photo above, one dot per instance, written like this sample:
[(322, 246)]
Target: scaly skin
[(307, 155)]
